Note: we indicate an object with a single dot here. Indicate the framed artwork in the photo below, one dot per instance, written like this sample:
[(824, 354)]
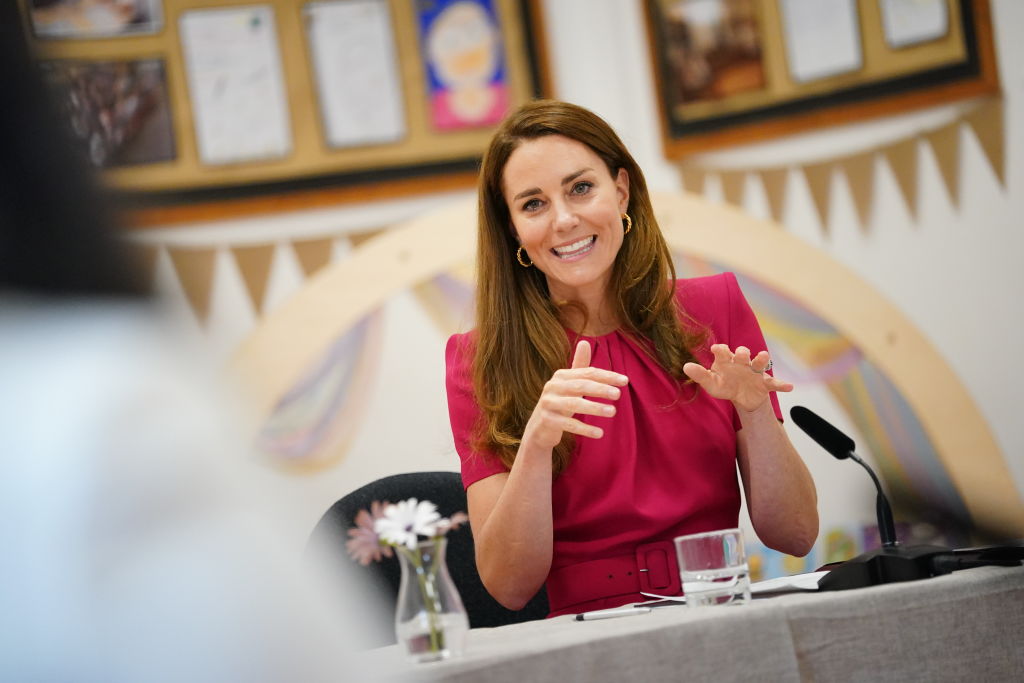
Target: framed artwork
[(358, 79), (243, 106), (85, 19), (464, 68), (235, 84), (118, 110), (739, 71)]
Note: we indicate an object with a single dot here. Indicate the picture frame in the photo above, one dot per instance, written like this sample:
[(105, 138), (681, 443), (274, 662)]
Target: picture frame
[(732, 72)]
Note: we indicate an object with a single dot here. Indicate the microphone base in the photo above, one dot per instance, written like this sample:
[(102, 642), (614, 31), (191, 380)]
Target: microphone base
[(884, 565)]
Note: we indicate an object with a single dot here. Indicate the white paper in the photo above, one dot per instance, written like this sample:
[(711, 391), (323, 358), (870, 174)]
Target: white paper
[(236, 85), (356, 69), (796, 582), (822, 38), (909, 22)]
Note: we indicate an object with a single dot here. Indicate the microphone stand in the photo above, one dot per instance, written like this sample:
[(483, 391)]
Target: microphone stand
[(892, 562), (883, 513)]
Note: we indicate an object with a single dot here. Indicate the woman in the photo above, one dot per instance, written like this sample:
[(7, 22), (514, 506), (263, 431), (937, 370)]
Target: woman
[(581, 476)]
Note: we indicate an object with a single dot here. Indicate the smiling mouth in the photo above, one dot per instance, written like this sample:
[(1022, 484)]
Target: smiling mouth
[(577, 248)]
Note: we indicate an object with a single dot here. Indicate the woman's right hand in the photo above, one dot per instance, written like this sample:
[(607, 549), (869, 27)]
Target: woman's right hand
[(563, 397)]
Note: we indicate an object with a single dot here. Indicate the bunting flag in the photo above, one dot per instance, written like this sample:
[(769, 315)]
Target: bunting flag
[(145, 259), (194, 268), (902, 158), (254, 265), (819, 180), (985, 121), (860, 177), (945, 143), (693, 179), (987, 124), (774, 182), (313, 254), (357, 239), (733, 183)]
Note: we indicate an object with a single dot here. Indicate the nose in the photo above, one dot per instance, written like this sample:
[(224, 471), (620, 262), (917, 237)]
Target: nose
[(565, 217)]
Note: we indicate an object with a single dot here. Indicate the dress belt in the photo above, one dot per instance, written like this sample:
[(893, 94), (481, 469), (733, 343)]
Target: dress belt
[(651, 568)]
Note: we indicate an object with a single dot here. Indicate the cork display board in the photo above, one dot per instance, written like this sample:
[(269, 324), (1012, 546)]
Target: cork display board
[(199, 101)]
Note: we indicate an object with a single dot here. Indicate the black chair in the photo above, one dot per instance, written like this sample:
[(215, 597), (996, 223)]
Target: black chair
[(444, 489)]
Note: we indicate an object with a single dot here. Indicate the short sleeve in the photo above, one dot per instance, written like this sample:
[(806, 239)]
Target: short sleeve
[(744, 330), (464, 412)]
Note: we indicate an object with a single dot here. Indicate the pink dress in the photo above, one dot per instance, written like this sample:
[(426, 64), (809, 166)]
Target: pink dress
[(666, 465)]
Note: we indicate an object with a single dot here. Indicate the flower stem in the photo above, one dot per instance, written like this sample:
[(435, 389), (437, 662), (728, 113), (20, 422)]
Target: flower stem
[(426, 577)]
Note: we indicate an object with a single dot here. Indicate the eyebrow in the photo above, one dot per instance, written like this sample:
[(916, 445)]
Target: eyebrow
[(567, 179)]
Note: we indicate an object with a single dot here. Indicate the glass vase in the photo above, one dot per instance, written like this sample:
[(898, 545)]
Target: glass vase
[(430, 621)]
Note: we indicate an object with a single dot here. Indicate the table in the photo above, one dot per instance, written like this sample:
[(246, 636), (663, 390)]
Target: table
[(968, 625)]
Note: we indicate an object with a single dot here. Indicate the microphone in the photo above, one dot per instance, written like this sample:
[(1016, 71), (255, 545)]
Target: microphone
[(842, 447), (890, 563)]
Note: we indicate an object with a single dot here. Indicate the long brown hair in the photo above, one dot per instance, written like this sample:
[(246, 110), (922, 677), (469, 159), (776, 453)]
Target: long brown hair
[(520, 338)]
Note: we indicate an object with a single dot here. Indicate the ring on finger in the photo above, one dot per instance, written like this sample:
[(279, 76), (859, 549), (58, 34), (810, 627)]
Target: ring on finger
[(764, 369)]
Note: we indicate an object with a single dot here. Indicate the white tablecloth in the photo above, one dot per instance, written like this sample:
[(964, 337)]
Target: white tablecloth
[(967, 625)]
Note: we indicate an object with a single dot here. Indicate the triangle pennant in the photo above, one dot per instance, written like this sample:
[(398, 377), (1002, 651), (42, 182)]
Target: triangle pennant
[(144, 256), (254, 264), (902, 158), (693, 179), (860, 177), (194, 268), (313, 254), (819, 179), (357, 239), (987, 123), (945, 144), (774, 181), (733, 185)]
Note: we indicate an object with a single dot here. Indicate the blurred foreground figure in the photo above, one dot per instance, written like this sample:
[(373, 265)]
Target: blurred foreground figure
[(134, 548)]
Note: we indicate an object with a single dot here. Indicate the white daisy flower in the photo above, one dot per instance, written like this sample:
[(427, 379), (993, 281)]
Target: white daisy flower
[(404, 522)]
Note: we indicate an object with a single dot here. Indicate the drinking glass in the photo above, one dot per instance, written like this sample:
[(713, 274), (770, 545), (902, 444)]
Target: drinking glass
[(713, 568)]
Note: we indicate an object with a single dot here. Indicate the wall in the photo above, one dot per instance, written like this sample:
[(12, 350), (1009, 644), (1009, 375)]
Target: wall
[(953, 271)]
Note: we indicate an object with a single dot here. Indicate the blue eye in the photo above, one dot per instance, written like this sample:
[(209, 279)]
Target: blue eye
[(581, 187), (531, 205)]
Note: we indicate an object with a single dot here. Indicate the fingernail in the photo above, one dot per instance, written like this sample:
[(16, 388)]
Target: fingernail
[(615, 393), (608, 410)]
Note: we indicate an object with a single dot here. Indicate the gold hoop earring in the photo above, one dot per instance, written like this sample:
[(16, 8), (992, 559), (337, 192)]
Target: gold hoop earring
[(519, 257), (629, 223)]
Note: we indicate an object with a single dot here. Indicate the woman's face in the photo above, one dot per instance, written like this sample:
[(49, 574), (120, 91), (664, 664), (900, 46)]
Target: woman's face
[(566, 212)]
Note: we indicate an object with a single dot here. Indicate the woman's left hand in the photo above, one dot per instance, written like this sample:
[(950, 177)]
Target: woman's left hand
[(737, 377)]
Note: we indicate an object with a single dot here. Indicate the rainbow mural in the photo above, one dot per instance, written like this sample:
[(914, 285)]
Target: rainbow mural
[(311, 424)]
